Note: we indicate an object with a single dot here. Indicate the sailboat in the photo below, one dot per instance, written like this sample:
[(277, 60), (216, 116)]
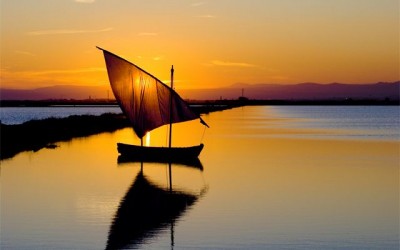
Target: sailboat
[(148, 104)]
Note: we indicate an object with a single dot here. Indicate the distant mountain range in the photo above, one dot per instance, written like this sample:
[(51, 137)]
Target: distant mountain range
[(301, 91), (58, 92)]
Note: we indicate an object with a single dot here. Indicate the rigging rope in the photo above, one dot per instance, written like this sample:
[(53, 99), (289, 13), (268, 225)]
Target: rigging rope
[(166, 135), (202, 137)]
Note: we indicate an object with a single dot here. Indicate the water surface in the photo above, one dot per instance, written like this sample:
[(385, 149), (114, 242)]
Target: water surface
[(270, 181), (361, 122), (19, 115)]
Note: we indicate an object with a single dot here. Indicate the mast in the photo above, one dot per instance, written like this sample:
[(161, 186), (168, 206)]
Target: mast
[(170, 107), (170, 131)]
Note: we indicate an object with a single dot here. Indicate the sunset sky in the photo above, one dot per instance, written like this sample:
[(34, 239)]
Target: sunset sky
[(210, 43)]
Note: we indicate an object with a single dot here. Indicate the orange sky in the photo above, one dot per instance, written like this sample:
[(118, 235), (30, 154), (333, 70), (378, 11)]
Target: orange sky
[(211, 43)]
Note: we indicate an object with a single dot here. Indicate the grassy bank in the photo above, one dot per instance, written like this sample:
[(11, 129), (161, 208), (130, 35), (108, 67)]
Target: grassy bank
[(38, 134)]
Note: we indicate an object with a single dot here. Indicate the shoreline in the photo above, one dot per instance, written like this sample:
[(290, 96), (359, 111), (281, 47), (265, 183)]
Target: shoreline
[(38, 134), (207, 103)]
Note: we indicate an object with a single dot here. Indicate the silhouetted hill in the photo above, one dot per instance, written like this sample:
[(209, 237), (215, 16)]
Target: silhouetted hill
[(302, 91), (58, 92)]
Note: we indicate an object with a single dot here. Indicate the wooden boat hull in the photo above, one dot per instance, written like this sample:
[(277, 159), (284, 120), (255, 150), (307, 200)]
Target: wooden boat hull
[(158, 154)]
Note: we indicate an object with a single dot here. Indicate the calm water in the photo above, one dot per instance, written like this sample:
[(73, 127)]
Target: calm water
[(19, 115), (357, 121), (272, 178)]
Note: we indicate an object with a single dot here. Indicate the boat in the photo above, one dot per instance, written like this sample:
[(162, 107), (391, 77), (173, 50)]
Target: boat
[(137, 154), (158, 154), (148, 103)]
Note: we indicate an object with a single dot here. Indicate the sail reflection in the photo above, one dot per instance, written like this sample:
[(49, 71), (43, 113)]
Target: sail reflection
[(146, 210)]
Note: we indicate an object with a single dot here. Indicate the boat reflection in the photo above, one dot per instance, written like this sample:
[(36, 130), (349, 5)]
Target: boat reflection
[(146, 210), (193, 162)]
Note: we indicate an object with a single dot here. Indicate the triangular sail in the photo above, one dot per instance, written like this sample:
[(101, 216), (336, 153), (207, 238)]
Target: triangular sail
[(143, 98)]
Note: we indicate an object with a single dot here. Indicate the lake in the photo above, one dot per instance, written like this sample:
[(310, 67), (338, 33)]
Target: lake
[(19, 115), (272, 177)]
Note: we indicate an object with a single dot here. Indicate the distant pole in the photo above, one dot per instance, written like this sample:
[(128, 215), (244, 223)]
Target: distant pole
[(170, 107)]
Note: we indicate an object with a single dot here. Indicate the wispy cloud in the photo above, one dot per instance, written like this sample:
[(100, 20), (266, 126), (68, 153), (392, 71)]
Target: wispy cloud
[(67, 71), (206, 16), (232, 64), (17, 79), (158, 58), (197, 4), (60, 32), (25, 53), (154, 57), (147, 34), (168, 81), (85, 1), (31, 73)]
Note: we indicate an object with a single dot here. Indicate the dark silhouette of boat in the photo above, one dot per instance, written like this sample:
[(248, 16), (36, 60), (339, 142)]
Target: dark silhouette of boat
[(159, 154), (146, 210), (185, 162), (148, 104)]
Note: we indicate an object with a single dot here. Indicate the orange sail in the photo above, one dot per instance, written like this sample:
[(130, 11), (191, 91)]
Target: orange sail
[(144, 99)]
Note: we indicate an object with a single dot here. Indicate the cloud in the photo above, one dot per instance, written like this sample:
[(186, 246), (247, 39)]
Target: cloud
[(67, 71), (147, 34), (85, 1), (206, 16), (25, 53), (168, 81), (198, 4), (233, 64), (158, 58), (60, 32), (18, 79), (43, 73), (153, 57)]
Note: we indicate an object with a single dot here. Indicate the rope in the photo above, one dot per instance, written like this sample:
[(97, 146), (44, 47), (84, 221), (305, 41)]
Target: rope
[(166, 135), (202, 137)]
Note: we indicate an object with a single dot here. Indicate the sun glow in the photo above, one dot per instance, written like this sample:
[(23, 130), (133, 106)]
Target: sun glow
[(148, 139), (212, 46)]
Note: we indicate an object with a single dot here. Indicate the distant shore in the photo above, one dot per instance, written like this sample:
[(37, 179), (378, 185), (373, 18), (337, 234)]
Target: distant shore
[(206, 105), (37, 134)]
